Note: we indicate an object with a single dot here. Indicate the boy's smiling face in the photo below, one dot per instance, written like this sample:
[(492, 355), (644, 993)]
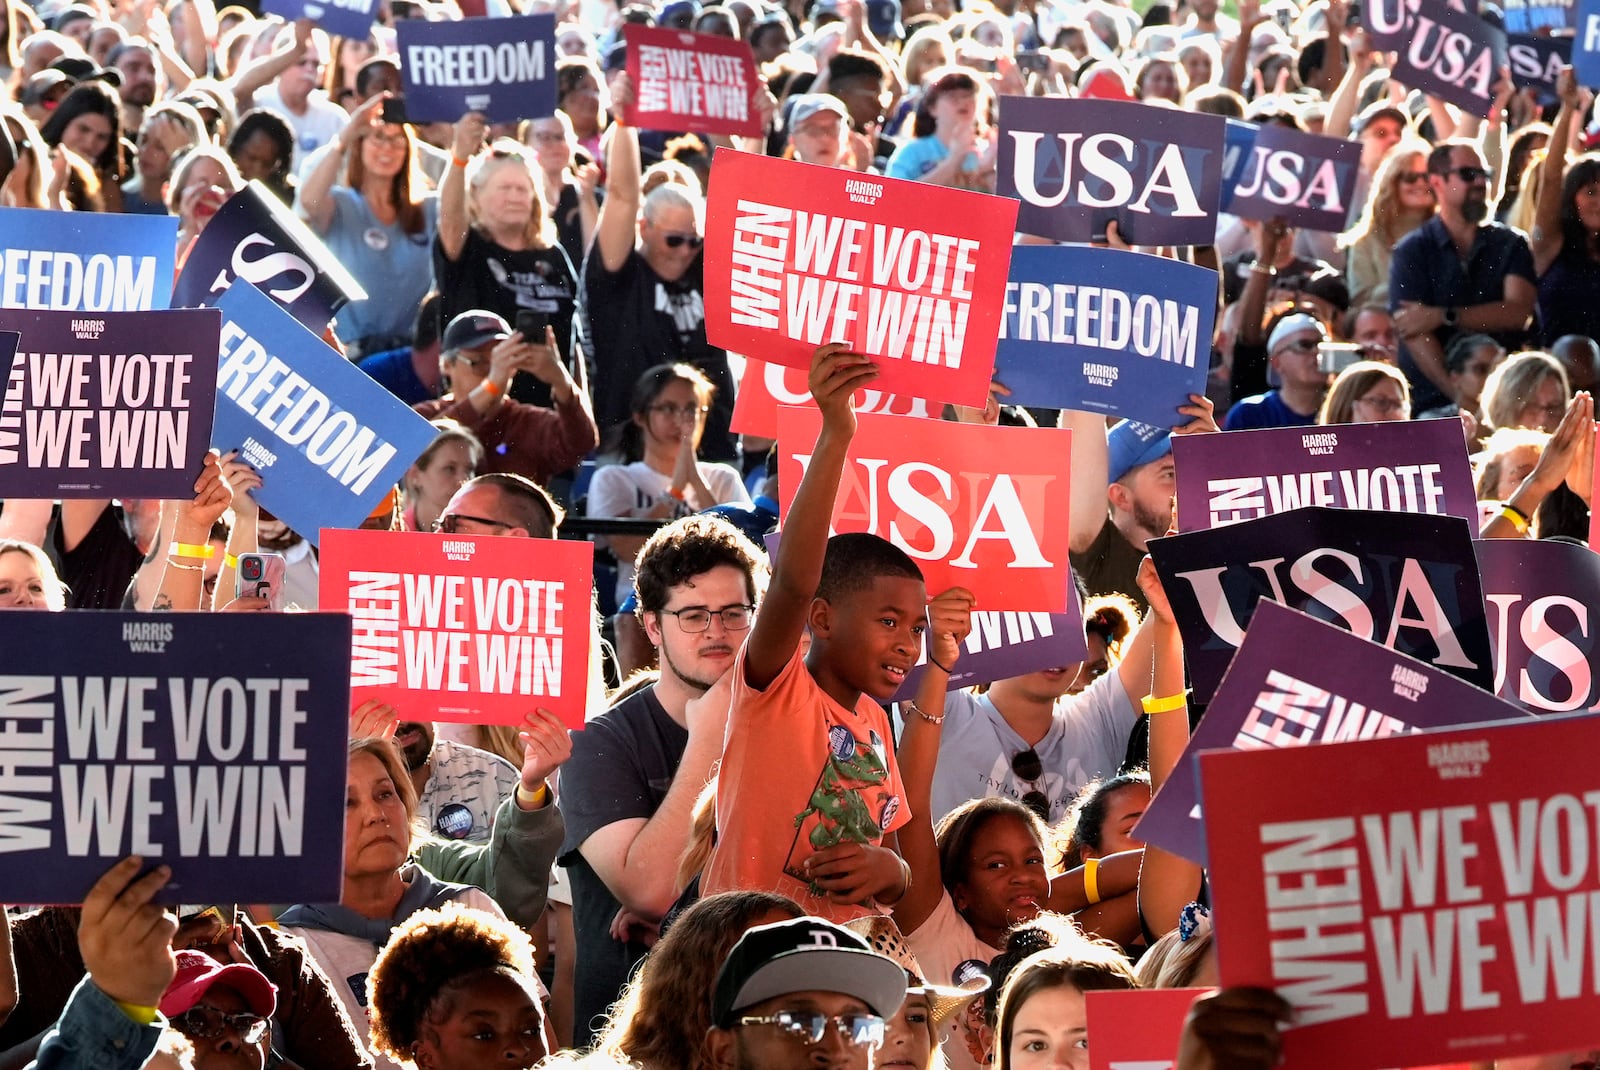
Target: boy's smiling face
[(872, 637)]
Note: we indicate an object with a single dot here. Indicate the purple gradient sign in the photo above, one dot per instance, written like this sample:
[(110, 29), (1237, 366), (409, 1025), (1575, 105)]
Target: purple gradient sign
[(1401, 467), (1296, 682), (1542, 598), (1452, 55), (211, 743), (1307, 179), (1078, 164), (108, 405), (1406, 580)]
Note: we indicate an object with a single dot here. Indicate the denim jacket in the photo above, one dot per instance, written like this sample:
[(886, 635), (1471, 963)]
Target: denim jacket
[(93, 1033)]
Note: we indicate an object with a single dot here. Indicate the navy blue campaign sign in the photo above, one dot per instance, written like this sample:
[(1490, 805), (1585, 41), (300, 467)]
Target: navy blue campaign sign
[(85, 261), (502, 67), (1307, 179), (1078, 164), (114, 405), (1104, 330), (1536, 61), (347, 18), (257, 238), (328, 441), (1452, 55), (212, 743), (1529, 16), (1238, 146)]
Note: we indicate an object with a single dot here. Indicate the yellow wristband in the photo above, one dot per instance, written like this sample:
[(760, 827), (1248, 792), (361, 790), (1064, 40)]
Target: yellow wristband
[(1179, 701), (1091, 881), (532, 800), (1514, 515), (204, 551), (230, 561), (142, 1015)]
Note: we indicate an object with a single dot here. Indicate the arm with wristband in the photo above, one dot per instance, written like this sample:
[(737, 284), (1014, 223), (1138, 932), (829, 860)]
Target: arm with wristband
[(183, 579)]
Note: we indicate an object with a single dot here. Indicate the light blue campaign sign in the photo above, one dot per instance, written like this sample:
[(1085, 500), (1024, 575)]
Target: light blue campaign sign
[(505, 68), (85, 261), (1586, 48), (1238, 143), (328, 440), (1103, 330), (347, 18)]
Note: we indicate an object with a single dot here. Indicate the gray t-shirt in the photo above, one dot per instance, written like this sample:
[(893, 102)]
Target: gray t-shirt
[(1087, 738)]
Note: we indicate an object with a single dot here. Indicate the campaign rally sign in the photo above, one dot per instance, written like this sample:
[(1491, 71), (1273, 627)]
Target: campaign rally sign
[(1137, 1028), (1537, 61), (1586, 50), (1531, 16), (909, 274), (211, 743), (1076, 165), (1103, 330), (1307, 179), (1436, 906), (1410, 466), (346, 18), (255, 237), (480, 629), (1003, 645), (85, 261), (975, 506), (111, 405), (1451, 55), (328, 441), (691, 81), (1298, 681), (765, 387), (502, 67), (1237, 146), (1406, 580), (1541, 596)]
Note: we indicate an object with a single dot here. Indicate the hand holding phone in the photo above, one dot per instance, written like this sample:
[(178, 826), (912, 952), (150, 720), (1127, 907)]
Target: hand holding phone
[(261, 576)]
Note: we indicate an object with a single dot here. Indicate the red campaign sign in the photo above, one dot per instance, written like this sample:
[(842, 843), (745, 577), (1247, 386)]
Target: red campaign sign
[(764, 388), (1137, 1029), (478, 629), (1437, 899), (978, 507), (691, 81), (910, 274)]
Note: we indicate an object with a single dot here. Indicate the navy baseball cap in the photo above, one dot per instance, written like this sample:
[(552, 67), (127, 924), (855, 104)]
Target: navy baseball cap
[(883, 19), (474, 328)]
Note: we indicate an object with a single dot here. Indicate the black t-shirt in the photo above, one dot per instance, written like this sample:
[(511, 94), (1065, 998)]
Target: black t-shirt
[(98, 570), (635, 320), (1111, 565), (489, 276), (621, 767)]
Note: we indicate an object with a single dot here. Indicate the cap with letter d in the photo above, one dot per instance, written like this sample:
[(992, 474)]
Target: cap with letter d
[(805, 955)]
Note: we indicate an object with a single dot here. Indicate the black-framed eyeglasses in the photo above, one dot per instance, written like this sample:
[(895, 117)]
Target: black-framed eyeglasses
[(450, 523), (1470, 173), (1028, 769), (678, 241), (207, 1023), (678, 411), (861, 1030), (698, 618)]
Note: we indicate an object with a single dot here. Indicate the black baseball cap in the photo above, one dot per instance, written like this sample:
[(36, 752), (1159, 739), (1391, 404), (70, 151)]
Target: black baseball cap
[(805, 955), (474, 328)]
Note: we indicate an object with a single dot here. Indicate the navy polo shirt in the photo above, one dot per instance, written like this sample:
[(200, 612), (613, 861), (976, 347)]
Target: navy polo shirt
[(1427, 270)]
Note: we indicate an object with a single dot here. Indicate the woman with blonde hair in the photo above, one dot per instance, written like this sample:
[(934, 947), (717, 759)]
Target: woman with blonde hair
[(1401, 201), (497, 248), (27, 578), (1527, 390), (1367, 392)]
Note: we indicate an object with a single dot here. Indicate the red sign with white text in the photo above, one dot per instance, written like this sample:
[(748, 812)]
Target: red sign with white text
[(764, 388), (691, 81), (910, 274), (478, 629), (1419, 898), (1137, 1028), (978, 507)]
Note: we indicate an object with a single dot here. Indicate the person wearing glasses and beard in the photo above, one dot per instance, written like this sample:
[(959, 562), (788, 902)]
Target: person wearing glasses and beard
[(629, 790), (479, 358), (643, 289)]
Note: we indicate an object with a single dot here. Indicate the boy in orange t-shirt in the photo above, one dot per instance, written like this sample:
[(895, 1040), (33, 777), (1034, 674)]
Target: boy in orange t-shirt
[(808, 794)]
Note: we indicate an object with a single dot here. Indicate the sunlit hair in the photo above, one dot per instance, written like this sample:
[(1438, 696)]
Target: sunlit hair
[(55, 592), (1075, 962), (506, 153), (183, 164), (1085, 820), (1512, 385), (1339, 406), (1383, 219), (1175, 962), (394, 766), (1496, 448)]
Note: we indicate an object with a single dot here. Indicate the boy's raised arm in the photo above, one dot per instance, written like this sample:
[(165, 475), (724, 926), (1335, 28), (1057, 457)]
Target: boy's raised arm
[(836, 374)]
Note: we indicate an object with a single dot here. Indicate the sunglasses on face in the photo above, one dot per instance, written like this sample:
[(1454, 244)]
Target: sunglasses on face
[(678, 241), (861, 1030), (1469, 174), (207, 1023), (450, 523), (1412, 178)]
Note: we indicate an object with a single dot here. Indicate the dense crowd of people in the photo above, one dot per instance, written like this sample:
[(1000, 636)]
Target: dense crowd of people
[(752, 857)]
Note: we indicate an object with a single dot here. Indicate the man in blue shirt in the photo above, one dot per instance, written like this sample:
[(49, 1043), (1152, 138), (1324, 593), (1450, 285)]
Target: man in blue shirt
[(1292, 352)]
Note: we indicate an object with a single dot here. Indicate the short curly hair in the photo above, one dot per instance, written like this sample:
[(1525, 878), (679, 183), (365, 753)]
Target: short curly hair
[(686, 548), (428, 952)]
